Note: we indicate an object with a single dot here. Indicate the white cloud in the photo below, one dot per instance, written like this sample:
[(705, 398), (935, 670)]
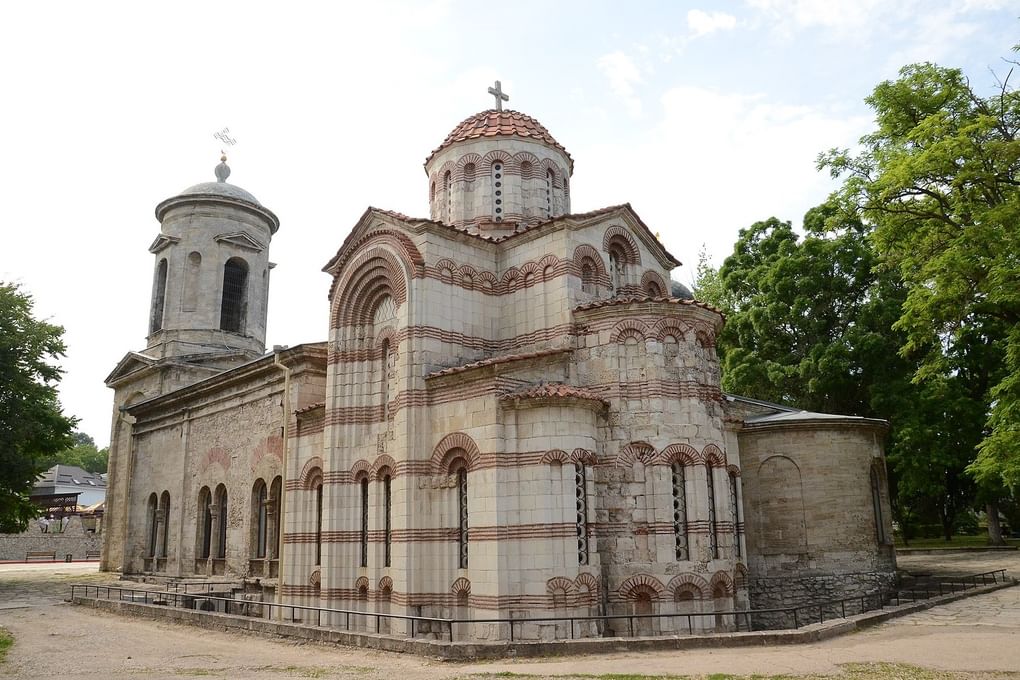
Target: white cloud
[(623, 75), (702, 23)]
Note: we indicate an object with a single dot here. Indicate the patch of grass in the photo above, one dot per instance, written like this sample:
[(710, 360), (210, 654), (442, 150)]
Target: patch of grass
[(6, 640)]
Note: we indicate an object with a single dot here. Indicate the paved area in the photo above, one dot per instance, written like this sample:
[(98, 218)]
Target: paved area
[(977, 637)]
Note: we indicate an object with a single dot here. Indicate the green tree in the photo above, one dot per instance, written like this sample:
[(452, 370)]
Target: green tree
[(32, 425), (84, 455), (940, 181)]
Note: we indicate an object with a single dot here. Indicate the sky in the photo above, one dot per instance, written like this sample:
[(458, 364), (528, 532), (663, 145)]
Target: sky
[(705, 116)]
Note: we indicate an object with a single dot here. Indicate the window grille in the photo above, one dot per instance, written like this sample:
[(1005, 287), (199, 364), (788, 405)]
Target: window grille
[(735, 514), (318, 524), (581, 501), (713, 536), (235, 293), (364, 522), (462, 507), (387, 521), (680, 512)]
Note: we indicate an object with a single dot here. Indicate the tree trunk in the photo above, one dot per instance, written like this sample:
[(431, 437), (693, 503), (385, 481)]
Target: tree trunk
[(994, 529)]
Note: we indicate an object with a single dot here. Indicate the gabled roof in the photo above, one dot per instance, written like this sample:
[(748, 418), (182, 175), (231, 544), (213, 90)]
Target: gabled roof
[(131, 363), (70, 475)]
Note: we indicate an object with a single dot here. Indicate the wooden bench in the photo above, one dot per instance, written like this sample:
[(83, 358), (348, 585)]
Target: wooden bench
[(50, 555), (92, 554)]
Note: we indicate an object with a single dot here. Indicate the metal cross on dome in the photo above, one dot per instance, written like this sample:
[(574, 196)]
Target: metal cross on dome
[(497, 92)]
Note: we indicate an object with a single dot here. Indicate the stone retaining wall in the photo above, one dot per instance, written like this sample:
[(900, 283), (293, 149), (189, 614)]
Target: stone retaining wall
[(73, 541)]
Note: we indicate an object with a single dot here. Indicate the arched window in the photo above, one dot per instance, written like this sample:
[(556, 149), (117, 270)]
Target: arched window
[(713, 529), (158, 297), (876, 504), (364, 522), (235, 295), (164, 519), (206, 520), (588, 283), (387, 520), (653, 290), (617, 267), (469, 172), (192, 282), (447, 198), (260, 510), (550, 180), (221, 519), (735, 512), (566, 194), (317, 488), (497, 191), (581, 503), (275, 491), (153, 517), (680, 511)]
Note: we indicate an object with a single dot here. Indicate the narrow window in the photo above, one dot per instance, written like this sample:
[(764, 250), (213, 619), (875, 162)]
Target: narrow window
[(364, 522), (221, 548), (387, 520), (192, 282), (876, 502), (447, 197), (165, 520), (462, 507), (680, 511), (262, 520), (318, 523), (581, 502), (385, 373), (158, 298), (617, 268), (153, 525), (235, 295), (735, 513), (587, 278), (566, 195), (713, 536), (497, 191), (207, 525), (550, 179), (653, 289)]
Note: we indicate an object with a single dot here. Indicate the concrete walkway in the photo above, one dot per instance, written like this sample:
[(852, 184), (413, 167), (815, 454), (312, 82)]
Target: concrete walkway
[(973, 636)]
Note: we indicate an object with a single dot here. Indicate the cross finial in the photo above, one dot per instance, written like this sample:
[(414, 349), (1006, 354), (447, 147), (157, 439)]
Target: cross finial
[(497, 92)]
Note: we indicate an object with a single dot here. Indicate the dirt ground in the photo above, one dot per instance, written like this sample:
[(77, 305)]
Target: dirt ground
[(977, 637)]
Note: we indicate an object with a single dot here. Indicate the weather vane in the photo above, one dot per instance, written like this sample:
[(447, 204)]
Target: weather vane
[(224, 136)]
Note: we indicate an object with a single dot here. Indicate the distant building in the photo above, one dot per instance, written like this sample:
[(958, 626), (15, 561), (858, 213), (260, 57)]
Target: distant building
[(70, 479)]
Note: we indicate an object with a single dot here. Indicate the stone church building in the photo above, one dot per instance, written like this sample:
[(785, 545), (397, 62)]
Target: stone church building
[(512, 416)]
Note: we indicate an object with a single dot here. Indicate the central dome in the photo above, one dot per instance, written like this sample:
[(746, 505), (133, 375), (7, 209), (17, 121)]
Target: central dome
[(493, 123)]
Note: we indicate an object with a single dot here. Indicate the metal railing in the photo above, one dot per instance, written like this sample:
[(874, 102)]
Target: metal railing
[(202, 586), (800, 615)]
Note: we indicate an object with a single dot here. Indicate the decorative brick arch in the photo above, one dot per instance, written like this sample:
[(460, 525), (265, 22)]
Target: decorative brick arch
[(558, 172), (448, 265), (376, 274), (689, 583), (588, 586), (441, 460), (623, 237), (641, 583), (733, 470), (387, 333), (311, 470), (629, 328), (511, 279), (559, 583), (461, 586), (463, 162), (555, 456), (385, 583), (714, 456), (500, 155), (740, 576), (685, 454), (522, 157), (586, 253), (670, 326), (547, 261), (722, 579), (584, 456), (361, 469), (642, 452), (361, 583), (650, 278), (315, 579), (488, 280), (398, 241), (705, 335), (381, 464)]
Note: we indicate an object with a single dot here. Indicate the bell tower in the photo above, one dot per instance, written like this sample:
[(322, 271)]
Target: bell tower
[(210, 285)]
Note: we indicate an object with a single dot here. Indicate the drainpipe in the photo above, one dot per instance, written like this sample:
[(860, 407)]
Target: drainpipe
[(281, 511)]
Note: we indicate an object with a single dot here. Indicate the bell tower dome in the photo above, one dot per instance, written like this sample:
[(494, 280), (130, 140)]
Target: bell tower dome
[(497, 170), (211, 281)]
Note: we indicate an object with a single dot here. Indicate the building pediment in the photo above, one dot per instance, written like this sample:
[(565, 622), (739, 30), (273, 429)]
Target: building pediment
[(162, 241), (131, 364), (241, 240)]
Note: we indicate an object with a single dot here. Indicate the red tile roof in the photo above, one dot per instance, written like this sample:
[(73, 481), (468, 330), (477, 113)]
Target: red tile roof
[(309, 408), (631, 299), (493, 123), (555, 391), (493, 361)]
